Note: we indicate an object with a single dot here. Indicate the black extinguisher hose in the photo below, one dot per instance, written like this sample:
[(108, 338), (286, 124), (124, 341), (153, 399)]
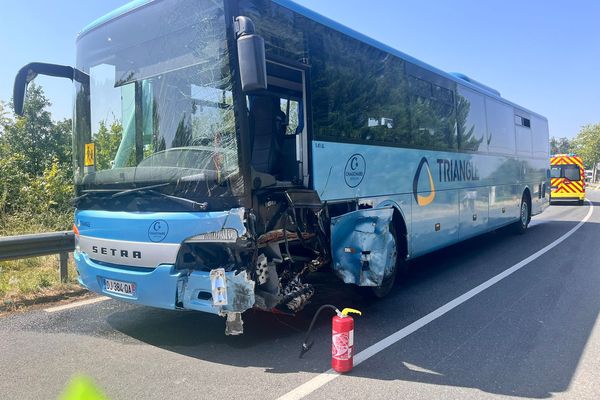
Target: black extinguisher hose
[(306, 346)]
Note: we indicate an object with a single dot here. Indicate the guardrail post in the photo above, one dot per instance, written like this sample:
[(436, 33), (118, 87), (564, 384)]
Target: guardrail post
[(64, 271)]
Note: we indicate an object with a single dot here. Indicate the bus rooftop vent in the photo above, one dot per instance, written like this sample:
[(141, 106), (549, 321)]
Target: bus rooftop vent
[(476, 83)]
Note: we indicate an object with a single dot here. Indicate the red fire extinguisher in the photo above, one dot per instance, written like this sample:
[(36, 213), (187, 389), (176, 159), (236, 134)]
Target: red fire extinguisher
[(342, 338)]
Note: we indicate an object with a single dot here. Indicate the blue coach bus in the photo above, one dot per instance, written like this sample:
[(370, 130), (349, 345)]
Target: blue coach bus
[(224, 150)]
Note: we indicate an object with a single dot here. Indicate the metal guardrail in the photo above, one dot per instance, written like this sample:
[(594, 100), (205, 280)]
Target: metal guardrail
[(39, 244)]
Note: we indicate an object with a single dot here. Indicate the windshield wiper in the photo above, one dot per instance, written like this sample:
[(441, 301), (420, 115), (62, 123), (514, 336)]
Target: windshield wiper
[(87, 192), (139, 189), (182, 200), (116, 192), (150, 189)]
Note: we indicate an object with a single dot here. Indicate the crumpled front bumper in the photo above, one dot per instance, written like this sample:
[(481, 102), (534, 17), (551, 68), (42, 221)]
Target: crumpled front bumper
[(165, 287)]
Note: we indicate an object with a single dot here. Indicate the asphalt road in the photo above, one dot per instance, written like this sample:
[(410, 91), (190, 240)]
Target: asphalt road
[(532, 334)]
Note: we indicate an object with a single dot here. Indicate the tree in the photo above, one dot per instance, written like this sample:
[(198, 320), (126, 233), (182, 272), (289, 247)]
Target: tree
[(36, 137), (4, 117), (12, 180), (587, 145), (559, 145), (35, 166), (107, 143)]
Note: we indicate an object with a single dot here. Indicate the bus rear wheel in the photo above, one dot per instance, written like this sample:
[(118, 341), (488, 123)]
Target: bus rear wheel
[(524, 216)]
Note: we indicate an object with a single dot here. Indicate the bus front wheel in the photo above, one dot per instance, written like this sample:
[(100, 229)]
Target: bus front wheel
[(388, 282)]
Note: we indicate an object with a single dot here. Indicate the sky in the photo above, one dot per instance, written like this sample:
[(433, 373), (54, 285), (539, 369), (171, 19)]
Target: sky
[(543, 55)]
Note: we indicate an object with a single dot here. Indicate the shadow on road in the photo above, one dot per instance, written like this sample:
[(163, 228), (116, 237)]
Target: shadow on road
[(526, 341)]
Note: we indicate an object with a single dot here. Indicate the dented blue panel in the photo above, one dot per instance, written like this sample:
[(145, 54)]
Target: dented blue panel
[(197, 293), (235, 220), (363, 248)]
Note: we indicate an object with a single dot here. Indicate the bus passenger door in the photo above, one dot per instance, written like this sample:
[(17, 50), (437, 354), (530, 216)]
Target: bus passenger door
[(278, 128)]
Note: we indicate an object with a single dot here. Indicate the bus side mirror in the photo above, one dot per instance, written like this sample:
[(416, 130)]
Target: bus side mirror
[(24, 76), (251, 56), (31, 70)]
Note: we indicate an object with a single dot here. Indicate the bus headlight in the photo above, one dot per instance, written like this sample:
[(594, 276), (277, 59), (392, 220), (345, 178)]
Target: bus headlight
[(223, 235)]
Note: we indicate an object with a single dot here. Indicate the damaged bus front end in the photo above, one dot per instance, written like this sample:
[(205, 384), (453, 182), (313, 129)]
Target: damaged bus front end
[(216, 262), (192, 163)]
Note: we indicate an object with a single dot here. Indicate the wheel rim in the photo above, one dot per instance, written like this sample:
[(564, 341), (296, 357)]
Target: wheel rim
[(393, 258), (388, 280), (524, 213)]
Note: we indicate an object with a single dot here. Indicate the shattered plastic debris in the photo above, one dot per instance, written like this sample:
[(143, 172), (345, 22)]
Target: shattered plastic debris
[(234, 324)]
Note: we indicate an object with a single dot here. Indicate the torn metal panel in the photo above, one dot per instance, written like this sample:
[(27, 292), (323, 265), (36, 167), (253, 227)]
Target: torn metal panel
[(238, 296), (363, 248), (240, 290), (235, 220), (234, 325), (220, 227)]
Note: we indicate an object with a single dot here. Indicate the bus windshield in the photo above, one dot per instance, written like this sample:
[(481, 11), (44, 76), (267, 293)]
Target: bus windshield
[(160, 106)]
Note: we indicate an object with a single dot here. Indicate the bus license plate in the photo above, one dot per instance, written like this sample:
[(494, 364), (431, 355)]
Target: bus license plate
[(119, 287)]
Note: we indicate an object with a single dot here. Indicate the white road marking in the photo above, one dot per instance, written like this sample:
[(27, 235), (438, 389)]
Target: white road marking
[(76, 304), (326, 377)]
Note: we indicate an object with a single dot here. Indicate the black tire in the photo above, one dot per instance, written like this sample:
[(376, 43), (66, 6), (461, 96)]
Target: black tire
[(524, 215), (379, 292)]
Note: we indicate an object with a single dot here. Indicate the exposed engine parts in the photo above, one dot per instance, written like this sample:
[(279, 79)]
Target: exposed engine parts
[(290, 247), (297, 294), (282, 242)]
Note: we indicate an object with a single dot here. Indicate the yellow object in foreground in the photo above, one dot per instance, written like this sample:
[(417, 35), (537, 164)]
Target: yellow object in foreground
[(82, 388)]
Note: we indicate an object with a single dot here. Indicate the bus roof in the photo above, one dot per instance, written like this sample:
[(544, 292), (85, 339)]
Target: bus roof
[(132, 5), (456, 77)]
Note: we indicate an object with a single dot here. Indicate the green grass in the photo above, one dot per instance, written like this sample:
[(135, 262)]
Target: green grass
[(30, 278), (24, 223)]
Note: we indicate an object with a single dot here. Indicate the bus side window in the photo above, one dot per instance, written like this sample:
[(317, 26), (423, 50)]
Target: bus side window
[(432, 112), (470, 120), (292, 110), (501, 127)]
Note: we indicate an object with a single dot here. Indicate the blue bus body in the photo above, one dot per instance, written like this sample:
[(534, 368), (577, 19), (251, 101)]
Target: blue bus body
[(353, 157), (463, 207)]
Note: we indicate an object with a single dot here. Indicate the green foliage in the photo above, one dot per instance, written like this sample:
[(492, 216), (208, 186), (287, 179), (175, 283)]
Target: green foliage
[(35, 169), (4, 117), (52, 191), (587, 145), (12, 177), (560, 145), (36, 136), (107, 143), (35, 190)]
